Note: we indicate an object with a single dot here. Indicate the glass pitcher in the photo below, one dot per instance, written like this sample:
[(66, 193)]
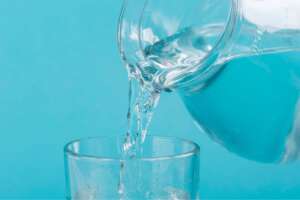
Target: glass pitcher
[(235, 64)]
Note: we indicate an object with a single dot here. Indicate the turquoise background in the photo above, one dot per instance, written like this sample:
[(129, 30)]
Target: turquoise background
[(61, 78)]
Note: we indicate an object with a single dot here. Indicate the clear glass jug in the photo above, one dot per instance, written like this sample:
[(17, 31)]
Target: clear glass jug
[(235, 64)]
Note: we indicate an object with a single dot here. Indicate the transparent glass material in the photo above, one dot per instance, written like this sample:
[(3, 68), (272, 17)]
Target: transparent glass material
[(168, 168), (173, 43)]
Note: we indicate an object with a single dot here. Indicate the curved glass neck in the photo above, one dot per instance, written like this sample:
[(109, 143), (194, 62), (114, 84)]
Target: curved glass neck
[(172, 43)]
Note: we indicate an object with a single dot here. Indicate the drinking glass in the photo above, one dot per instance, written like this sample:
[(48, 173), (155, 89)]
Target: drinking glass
[(167, 168)]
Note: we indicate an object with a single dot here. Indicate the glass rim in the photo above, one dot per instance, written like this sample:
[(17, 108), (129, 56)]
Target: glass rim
[(195, 150), (180, 82)]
